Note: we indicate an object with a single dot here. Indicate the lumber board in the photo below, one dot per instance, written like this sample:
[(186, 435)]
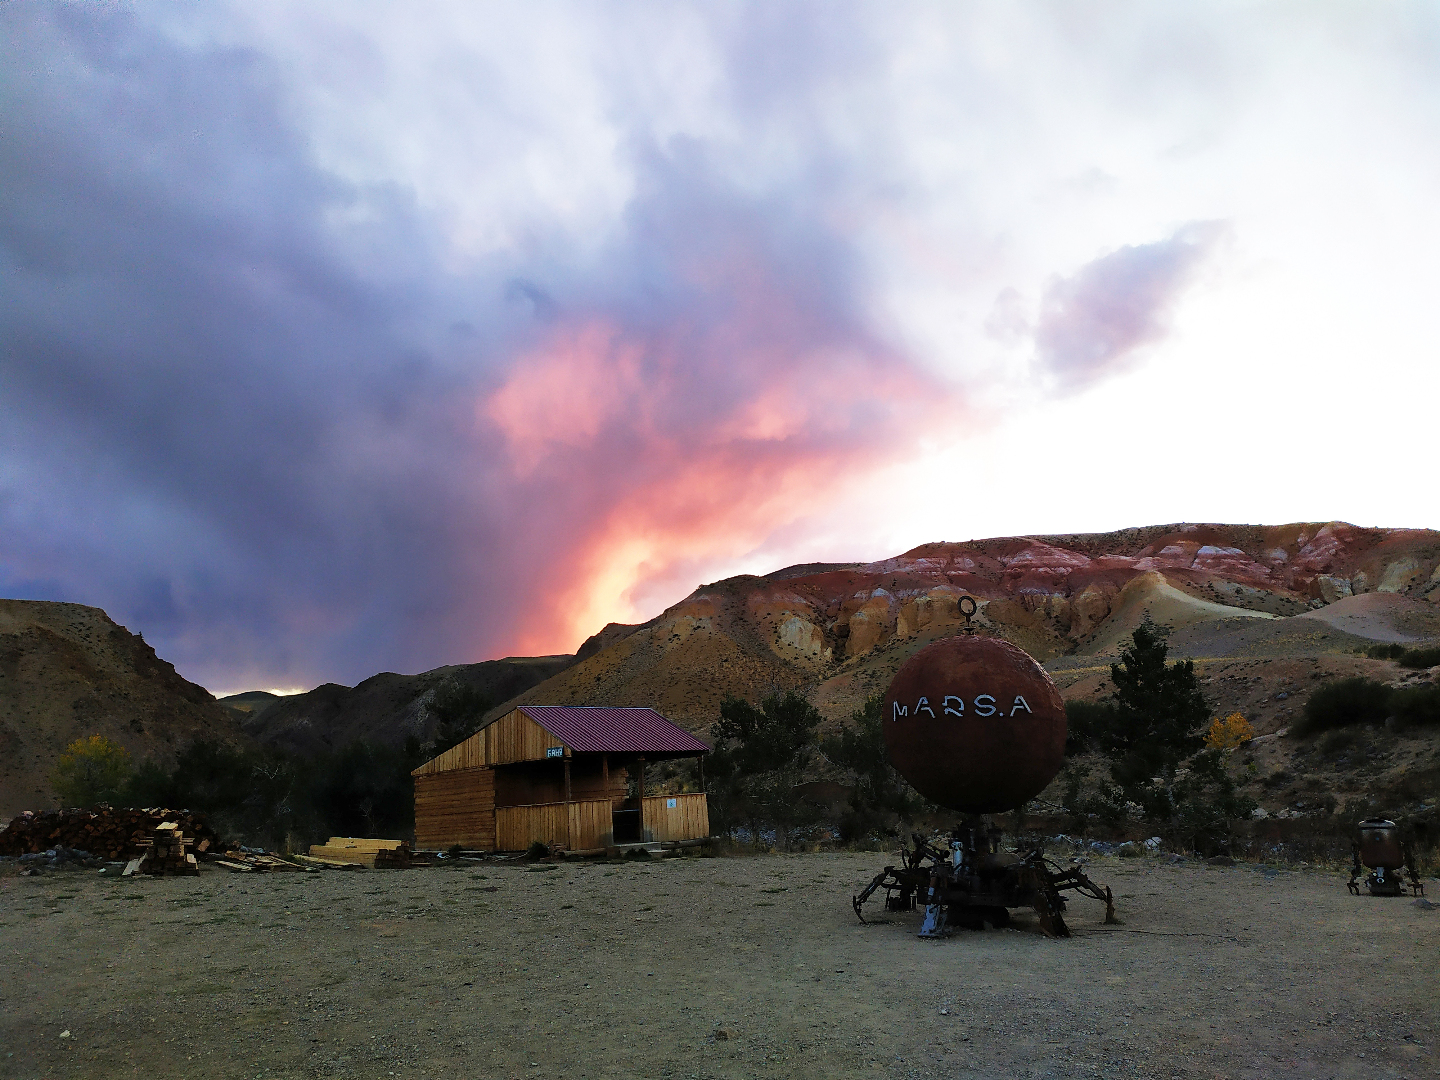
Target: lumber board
[(364, 843), (331, 864)]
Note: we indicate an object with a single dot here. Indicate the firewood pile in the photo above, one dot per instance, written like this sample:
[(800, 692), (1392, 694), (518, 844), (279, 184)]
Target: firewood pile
[(106, 832)]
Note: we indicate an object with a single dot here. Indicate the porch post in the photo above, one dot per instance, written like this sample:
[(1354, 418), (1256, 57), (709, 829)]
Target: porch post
[(640, 787), (569, 808)]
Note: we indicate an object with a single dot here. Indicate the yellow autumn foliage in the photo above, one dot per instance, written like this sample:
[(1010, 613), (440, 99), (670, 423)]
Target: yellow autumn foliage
[(90, 771), (1229, 733)]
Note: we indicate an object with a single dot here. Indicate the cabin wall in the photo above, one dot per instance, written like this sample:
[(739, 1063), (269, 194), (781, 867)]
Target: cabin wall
[(587, 781), (688, 819), (528, 782), (578, 825), (517, 827), (590, 824), (514, 737), (455, 807)]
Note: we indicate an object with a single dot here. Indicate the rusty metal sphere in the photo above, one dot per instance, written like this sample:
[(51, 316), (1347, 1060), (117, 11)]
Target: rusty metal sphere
[(975, 724), (1380, 844)]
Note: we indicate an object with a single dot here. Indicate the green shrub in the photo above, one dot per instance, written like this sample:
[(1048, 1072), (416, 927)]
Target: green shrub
[(1426, 656), (761, 753), (1417, 705), (1088, 725), (90, 771), (1420, 658), (1386, 650), (880, 794), (1337, 741), (1348, 701)]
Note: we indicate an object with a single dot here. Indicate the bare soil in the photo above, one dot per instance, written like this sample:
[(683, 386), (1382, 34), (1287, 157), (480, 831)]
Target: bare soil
[(729, 967)]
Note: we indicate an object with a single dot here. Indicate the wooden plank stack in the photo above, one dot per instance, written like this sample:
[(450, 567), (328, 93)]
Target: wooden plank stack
[(358, 851), (168, 853), (104, 831)]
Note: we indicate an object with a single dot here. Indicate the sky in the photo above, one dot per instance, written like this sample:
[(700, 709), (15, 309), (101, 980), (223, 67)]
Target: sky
[(340, 338)]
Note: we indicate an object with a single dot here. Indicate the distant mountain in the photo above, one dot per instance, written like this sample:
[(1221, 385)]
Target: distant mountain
[(839, 632), (1267, 613), (385, 709), (243, 706), (69, 672)]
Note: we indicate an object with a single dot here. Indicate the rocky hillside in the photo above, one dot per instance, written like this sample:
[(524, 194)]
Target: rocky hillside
[(385, 709), (68, 672), (1266, 613), (840, 632)]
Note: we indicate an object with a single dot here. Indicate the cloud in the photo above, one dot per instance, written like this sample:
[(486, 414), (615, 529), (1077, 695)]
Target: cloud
[(1093, 323), (345, 338), (269, 416)]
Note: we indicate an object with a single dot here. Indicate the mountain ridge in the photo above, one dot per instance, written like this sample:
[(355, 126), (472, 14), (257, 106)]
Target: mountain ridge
[(1273, 596)]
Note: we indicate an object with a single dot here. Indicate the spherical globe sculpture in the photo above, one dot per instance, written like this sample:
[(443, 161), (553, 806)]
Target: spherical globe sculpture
[(975, 725)]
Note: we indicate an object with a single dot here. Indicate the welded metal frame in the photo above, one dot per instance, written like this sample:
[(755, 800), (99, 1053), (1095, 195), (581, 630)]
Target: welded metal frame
[(967, 880)]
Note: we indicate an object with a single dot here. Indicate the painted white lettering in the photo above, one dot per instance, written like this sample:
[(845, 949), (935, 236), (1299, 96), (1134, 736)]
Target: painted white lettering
[(1020, 704), (987, 709), (958, 709), (900, 710), (924, 703)]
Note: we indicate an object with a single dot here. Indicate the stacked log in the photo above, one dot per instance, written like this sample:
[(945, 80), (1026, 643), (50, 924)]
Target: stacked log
[(107, 832)]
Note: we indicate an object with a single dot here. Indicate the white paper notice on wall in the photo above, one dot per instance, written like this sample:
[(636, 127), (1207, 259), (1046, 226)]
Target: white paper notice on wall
[(669, 804)]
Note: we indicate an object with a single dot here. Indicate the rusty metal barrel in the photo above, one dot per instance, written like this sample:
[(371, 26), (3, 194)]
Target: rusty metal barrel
[(1380, 844), (975, 725)]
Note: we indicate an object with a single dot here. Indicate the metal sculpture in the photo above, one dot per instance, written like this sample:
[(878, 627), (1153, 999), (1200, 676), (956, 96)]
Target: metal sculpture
[(1382, 851), (975, 725)]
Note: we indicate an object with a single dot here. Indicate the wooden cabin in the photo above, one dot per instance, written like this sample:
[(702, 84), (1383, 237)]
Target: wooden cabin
[(566, 776)]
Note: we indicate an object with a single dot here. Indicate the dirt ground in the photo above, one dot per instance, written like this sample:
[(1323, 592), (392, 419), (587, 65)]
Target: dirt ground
[(727, 967)]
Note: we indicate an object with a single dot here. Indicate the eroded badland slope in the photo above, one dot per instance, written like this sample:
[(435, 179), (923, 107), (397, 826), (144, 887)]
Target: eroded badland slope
[(840, 632), (1268, 613)]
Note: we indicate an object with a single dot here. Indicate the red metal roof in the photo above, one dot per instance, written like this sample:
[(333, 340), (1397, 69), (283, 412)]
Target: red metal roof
[(589, 729)]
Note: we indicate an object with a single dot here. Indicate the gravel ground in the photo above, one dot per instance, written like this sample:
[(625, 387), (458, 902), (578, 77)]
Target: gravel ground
[(731, 967)]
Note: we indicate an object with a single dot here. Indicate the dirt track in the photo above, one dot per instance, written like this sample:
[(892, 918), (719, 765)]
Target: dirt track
[(631, 970)]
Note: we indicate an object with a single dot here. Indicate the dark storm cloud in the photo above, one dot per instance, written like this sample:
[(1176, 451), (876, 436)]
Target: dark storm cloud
[(292, 450), (1093, 322), (216, 429)]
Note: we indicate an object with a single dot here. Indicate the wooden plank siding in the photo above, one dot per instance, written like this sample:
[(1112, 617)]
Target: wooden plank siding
[(514, 737), (517, 827), (456, 807), (688, 819), (590, 824), (577, 825)]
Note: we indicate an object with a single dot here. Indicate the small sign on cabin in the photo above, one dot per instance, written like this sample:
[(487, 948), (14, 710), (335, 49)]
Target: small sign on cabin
[(669, 804), (554, 751)]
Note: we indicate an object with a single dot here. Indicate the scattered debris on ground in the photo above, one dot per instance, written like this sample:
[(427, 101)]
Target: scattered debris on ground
[(250, 860)]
